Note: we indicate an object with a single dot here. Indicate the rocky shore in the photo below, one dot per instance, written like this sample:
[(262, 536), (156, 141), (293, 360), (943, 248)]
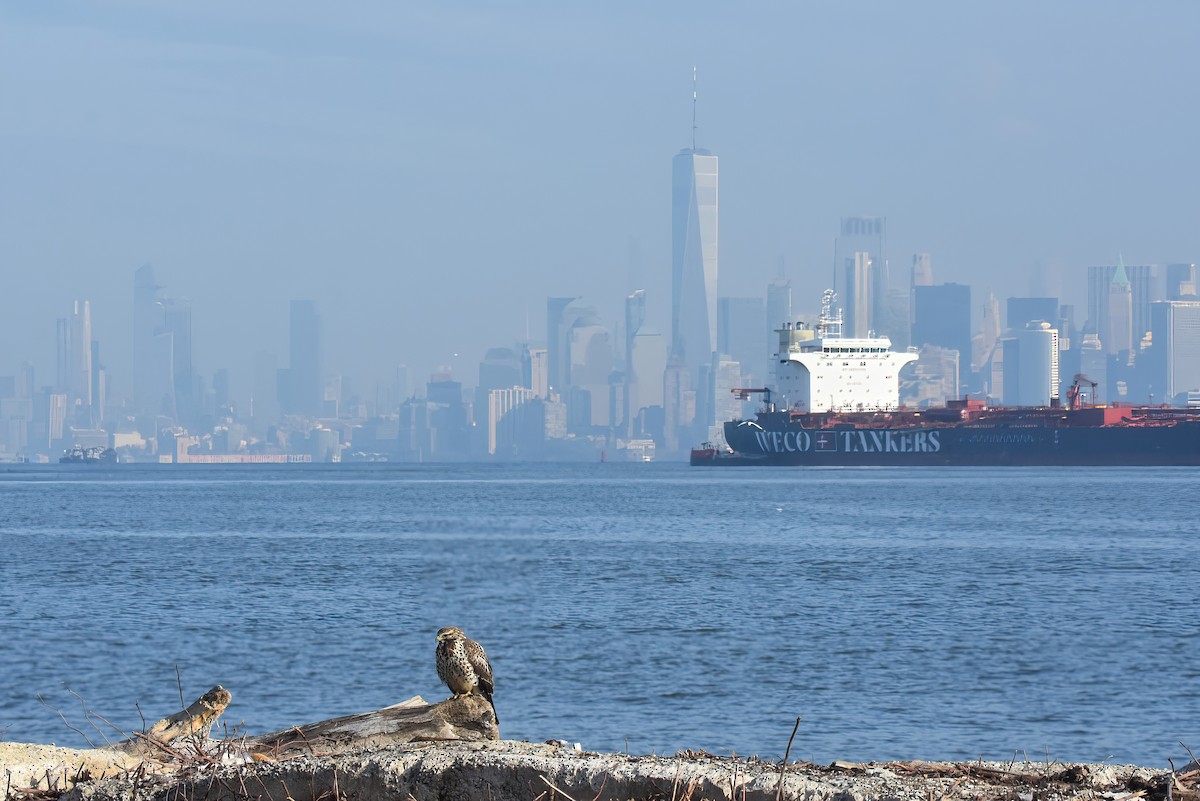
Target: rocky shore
[(511, 771), (451, 751)]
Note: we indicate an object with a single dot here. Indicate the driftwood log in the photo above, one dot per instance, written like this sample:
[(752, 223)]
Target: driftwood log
[(182, 739)]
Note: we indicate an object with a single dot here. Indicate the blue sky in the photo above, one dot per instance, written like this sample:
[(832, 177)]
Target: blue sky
[(430, 173)]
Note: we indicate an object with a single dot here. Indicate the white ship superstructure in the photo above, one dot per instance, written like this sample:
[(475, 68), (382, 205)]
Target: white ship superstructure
[(818, 370)]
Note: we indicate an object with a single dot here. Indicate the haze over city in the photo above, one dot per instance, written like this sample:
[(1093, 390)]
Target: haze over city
[(432, 174)]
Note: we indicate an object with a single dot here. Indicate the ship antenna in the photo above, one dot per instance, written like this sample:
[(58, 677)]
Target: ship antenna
[(693, 107)]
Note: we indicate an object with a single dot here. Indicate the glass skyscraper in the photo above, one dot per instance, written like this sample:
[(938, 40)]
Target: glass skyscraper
[(694, 258)]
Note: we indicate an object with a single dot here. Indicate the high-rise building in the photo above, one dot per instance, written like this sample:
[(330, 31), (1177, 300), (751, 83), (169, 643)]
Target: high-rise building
[(1093, 364), (560, 316), (983, 344), (62, 354), (539, 377), (514, 422), (860, 235), (779, 315), (1181, 282), (501, 369), (148, 390), (1175, 354), (164, 381), (647, 368), (635, 316), (922, 270), (740, 322), (305, 393), (591, 363), (888, 306), (943, 318), (922, 275), (1120, 332), (81, 360), (1143, 280), (694, 258), (1031, 366), (860, 297), (177, 322), (728, 375)]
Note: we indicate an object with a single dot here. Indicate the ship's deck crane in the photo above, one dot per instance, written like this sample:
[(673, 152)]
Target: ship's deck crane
[(743, 393), (1073, 394)]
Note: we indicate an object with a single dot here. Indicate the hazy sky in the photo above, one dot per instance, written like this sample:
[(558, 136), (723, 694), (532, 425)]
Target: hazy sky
[(429, 173)]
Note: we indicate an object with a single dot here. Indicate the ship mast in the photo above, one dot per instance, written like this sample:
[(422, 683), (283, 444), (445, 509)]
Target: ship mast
[(829, 324)]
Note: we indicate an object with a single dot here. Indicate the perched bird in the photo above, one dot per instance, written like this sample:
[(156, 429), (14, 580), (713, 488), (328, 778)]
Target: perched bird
[(463, 665)]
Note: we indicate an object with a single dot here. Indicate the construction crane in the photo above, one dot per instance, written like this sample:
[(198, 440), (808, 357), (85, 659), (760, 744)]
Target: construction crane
[(1074, 400)]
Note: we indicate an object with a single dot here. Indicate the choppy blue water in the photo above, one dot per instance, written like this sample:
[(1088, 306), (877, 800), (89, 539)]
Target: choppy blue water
[(932, 613)]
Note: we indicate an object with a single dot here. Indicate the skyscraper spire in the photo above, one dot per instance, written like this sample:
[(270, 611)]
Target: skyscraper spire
[(1120, 276), (693, 107)]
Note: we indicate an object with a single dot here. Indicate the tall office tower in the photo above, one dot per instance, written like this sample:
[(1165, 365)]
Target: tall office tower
[(860, 286), (860, 235), (501, 369), (779, 310), (922, 270), (1021, 311), (779, 314), (99, 385), (560, 315), (591, 363), (740, 322), (648, 365), (1120, 333), (1093, 363), (1031, 366), (62, 354), (56, 423), (635, 316), (539, 375), (694, 258), (1175, 355), (984, 343), (869, 235), (401, 383), (162, 352), (147, 317), (513, 421), (177, 322), (1144, 287), (922, 275), (80, 387), (679, 404), (306, 389), (1181, 282), (943, 318), (728, 375)]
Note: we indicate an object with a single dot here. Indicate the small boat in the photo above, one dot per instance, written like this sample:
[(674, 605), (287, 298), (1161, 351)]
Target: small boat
[(93, 455)]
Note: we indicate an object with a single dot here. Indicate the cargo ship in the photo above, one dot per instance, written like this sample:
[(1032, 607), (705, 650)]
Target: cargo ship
[(838, 405)]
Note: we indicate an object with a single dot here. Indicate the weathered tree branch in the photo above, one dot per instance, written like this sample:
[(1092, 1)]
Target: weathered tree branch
[(47, 767)]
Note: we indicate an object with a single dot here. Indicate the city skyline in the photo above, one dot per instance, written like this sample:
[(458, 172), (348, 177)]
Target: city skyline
[(265, 154)]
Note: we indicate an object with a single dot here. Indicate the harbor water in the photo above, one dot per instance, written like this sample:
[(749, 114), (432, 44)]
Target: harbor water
[(1039, 613)]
